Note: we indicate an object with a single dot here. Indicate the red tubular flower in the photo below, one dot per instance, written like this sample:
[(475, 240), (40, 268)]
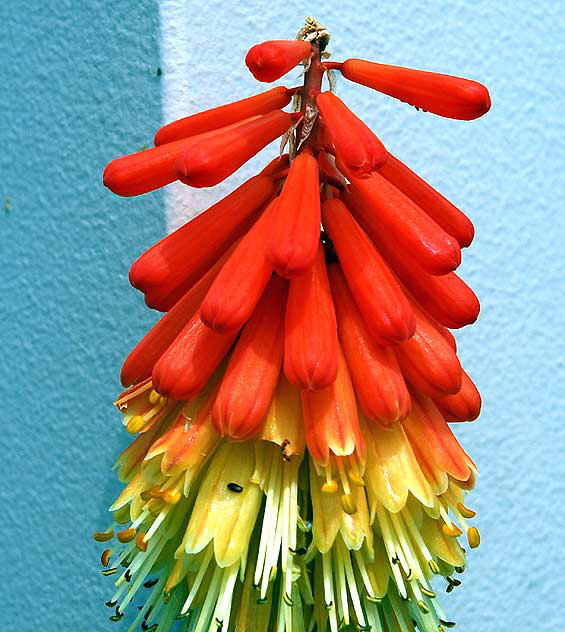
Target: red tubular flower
[(173, 265), (209, 160), (441, 210), (465, 405), (446, 298), (295, 226), (445, 95), (153, 168), (254, 368), (380, 299), (310, 351), (356, 146), (428, 361), (330, 418), (271, 60), (190, 360), (374, 369), (402, 224), (240, 283), (273, 99), (139, 363)]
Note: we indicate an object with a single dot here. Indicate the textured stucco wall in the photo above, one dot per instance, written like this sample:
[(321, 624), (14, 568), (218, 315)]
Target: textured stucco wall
[(79, 87)]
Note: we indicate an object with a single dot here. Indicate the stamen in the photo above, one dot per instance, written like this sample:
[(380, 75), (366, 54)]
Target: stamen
[(348, 504), (473, 537), (135, 424), (103, 536), (127, 535), (451, 530), (465, 511), (105, 557)]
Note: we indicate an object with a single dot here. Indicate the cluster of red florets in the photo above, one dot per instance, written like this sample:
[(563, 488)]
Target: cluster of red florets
[(334, 266)]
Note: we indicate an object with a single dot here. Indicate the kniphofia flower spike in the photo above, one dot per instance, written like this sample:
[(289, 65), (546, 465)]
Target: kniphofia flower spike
[(294, 466)]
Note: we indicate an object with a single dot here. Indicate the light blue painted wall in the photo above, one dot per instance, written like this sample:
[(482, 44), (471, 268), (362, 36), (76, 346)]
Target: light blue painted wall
[(79, 87)]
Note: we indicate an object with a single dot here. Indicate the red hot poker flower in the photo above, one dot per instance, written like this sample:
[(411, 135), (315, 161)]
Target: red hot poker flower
[(209, 160), (241, 281), (445, 95), (356, 146), (174, 264), (271, 60), (273, 99), (442, 211), (374, 369), (310, 354), (402, 224), (254, 368), (295, 226), (380, 299)]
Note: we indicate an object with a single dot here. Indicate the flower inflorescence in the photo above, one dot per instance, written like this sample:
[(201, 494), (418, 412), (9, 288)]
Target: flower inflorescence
[(294, 468)]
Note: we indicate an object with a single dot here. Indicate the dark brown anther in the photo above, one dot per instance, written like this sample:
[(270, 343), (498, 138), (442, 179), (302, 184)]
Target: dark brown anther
[(235, 487)]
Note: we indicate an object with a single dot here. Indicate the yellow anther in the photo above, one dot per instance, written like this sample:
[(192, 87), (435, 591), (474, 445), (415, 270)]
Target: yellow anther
[(171, 497), (105, 557), (433, 567), (473, 537), (423, 607), (127, 535), (154, 397), (329, 487), (348, 504), (465, 511), (356, 479), (140, 542), (135, 424), (103, 536), (162, 400), (452, 531), (122, 515)]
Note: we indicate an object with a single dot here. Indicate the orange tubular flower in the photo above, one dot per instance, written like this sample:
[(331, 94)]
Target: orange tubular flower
[(465, 405), (356, 146), (428, 361), (190, 360), (210, 159), (446, 298), (445, 95), (294, 468), (310, 336), (295, 225), (374, 369), (235, 112), (442, 211), (381, 301), (174, 264), (330, 419), (254, 368), (271, 60), (402, 224), (241, 281)]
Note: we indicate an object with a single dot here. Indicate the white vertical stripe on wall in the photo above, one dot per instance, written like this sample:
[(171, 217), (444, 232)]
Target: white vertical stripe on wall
[(175, 65)]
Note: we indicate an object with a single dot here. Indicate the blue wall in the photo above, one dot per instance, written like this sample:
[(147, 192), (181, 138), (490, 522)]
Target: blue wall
[(80, 86)]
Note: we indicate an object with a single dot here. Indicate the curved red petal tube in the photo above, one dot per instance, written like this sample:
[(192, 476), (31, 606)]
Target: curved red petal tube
[(441, 210), (173, 265), (330, 418), (310, 331), (374, 369), (402, 224), (273, 99), (271, 60), (253, 371), (441, 94), (294, 232), (380, 299), (428, 361), (236, 290), (191, 359), (465, 405), (356, 146), (209, 161)]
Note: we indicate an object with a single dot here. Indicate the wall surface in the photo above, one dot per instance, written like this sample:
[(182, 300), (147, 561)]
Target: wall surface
[(80, 86)]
